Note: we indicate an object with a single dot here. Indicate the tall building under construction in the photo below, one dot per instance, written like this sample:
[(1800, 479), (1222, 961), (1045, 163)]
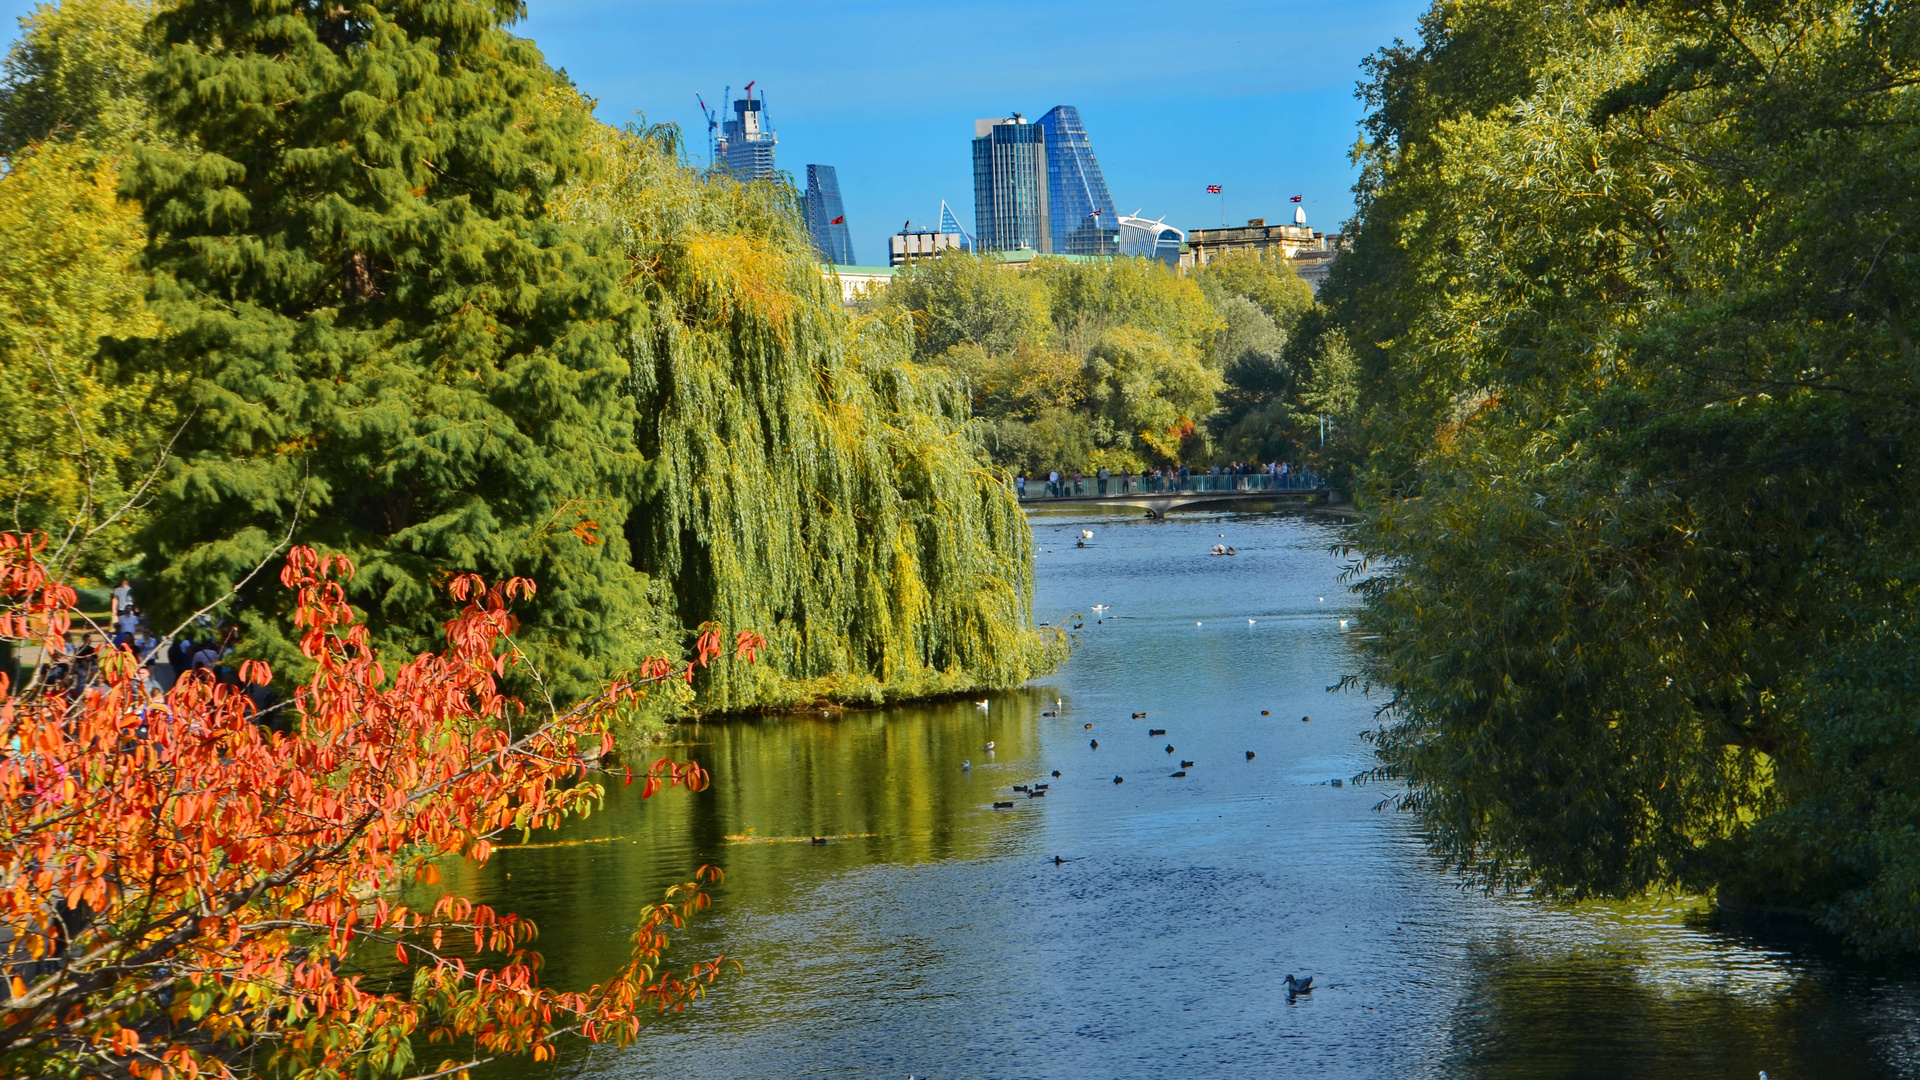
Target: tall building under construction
[(746, 145)]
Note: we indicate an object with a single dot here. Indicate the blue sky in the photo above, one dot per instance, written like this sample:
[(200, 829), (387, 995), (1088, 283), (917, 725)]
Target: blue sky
[(1254, 95)]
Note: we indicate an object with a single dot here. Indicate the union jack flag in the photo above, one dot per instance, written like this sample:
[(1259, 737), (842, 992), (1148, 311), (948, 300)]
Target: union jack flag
[(1213, 189)]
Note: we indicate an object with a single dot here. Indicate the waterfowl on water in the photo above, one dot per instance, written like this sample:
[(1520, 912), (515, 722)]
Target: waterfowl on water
[(1056, 772), (1093, 744), (1088, 727), (1152, 731), (1139, 716), (989, 744), (819, 841), (1101, 607), (1003, 806), (1263, 712), (1119, 779), (1182, 772), (1305, 719), (1019, 787), (981, 704), (1298, 986), (1049, 712), (1057, 860), (1036, 794), (967, 765), (1169, 748), (1249, 755), (1186, 764)]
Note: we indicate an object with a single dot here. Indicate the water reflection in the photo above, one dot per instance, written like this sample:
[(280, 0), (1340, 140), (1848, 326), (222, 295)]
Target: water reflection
[(935, 935)]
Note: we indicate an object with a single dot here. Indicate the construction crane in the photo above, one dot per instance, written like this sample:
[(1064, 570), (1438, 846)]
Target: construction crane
[(713, 125)]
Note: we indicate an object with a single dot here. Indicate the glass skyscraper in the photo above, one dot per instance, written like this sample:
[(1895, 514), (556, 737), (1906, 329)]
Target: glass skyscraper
[(1084, 221), (1010, 185), (827, 216)]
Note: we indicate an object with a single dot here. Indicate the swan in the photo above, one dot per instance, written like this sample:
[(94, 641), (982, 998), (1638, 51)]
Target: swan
[(1086, 534)]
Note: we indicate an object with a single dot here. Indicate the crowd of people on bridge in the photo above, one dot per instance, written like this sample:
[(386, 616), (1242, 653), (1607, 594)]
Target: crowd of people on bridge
[(1235, 476), (73, 665)]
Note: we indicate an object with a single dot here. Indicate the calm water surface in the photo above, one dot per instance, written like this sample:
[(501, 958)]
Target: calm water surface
[(935, 936)]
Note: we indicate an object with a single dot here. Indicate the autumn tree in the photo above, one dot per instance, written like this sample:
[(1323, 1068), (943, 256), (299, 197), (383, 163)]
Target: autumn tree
[(190, 892), (387, 343)]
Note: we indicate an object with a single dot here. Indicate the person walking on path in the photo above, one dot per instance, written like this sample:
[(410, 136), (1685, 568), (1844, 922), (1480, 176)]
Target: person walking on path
[(1020, 483), (122, 600)]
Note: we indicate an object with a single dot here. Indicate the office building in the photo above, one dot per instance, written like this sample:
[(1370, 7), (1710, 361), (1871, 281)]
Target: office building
[(1150, 239), (1082, 217), (950, 224), (1010, 185), (746, 147), (827, 216)]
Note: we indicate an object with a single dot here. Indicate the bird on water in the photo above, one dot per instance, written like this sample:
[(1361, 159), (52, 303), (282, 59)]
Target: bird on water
[(1152, 731), (1119, 779), (1186, 764), (1169, 748), (1093, 744), (989, 744), (1181, 773), (1298, 986), (1139, 716), (1249, 755)]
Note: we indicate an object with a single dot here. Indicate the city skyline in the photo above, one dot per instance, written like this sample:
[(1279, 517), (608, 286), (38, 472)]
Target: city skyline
[(1257, 97)]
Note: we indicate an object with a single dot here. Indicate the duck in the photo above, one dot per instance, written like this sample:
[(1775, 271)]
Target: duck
[(1056, 772), (1036, 794), (1101, 607), (1049, 712), (1139, 716), (1298, 986), (967, 765), (1057, 860), (1263, 712), (818, 841), (989, 745), (1230, 550), (1003, 806), (1086, 727), (1019, 787), (1306, 719), (1093, 744), (1119, 779), (1169, 748), (1152, 731), (982, 705), (1181, 773), (1186, 764), (1249, 755)]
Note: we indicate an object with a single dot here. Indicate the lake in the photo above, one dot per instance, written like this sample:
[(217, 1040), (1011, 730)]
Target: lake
[(936, 936)]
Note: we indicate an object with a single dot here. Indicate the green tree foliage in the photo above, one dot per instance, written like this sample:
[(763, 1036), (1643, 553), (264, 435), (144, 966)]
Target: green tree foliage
[(1110, 363), (77, 437), (78, 434), (1631, 365), (75, 73), (384, 335), (809, 480)]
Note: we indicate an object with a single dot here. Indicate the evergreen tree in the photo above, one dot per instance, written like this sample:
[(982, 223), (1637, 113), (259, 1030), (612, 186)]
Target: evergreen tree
[(389, 340)]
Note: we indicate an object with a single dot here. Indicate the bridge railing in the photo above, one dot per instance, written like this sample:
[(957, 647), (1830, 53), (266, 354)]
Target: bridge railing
[(1040, 490)]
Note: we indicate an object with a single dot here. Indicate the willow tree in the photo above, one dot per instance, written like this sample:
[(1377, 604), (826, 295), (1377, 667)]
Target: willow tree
[(806, 478)]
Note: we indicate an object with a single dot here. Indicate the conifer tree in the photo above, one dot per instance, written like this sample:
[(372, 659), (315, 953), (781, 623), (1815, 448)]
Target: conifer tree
[(388, 339)]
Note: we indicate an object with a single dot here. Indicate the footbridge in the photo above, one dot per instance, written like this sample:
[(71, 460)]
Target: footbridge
[(1163, 498)]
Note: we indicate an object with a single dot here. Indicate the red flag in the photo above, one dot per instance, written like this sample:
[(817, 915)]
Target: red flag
[(842, 220), (1297, 198), (1213, 189)]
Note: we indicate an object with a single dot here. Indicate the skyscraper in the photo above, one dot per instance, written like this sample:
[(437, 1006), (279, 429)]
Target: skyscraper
[(827, 216), (1084, 221), (1010, 185), (746, 146)]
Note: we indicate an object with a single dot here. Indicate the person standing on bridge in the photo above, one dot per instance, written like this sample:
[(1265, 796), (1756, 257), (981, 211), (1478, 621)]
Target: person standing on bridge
[(1053, 481), (1078, 487), (1103, 474), (1020, 483)]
